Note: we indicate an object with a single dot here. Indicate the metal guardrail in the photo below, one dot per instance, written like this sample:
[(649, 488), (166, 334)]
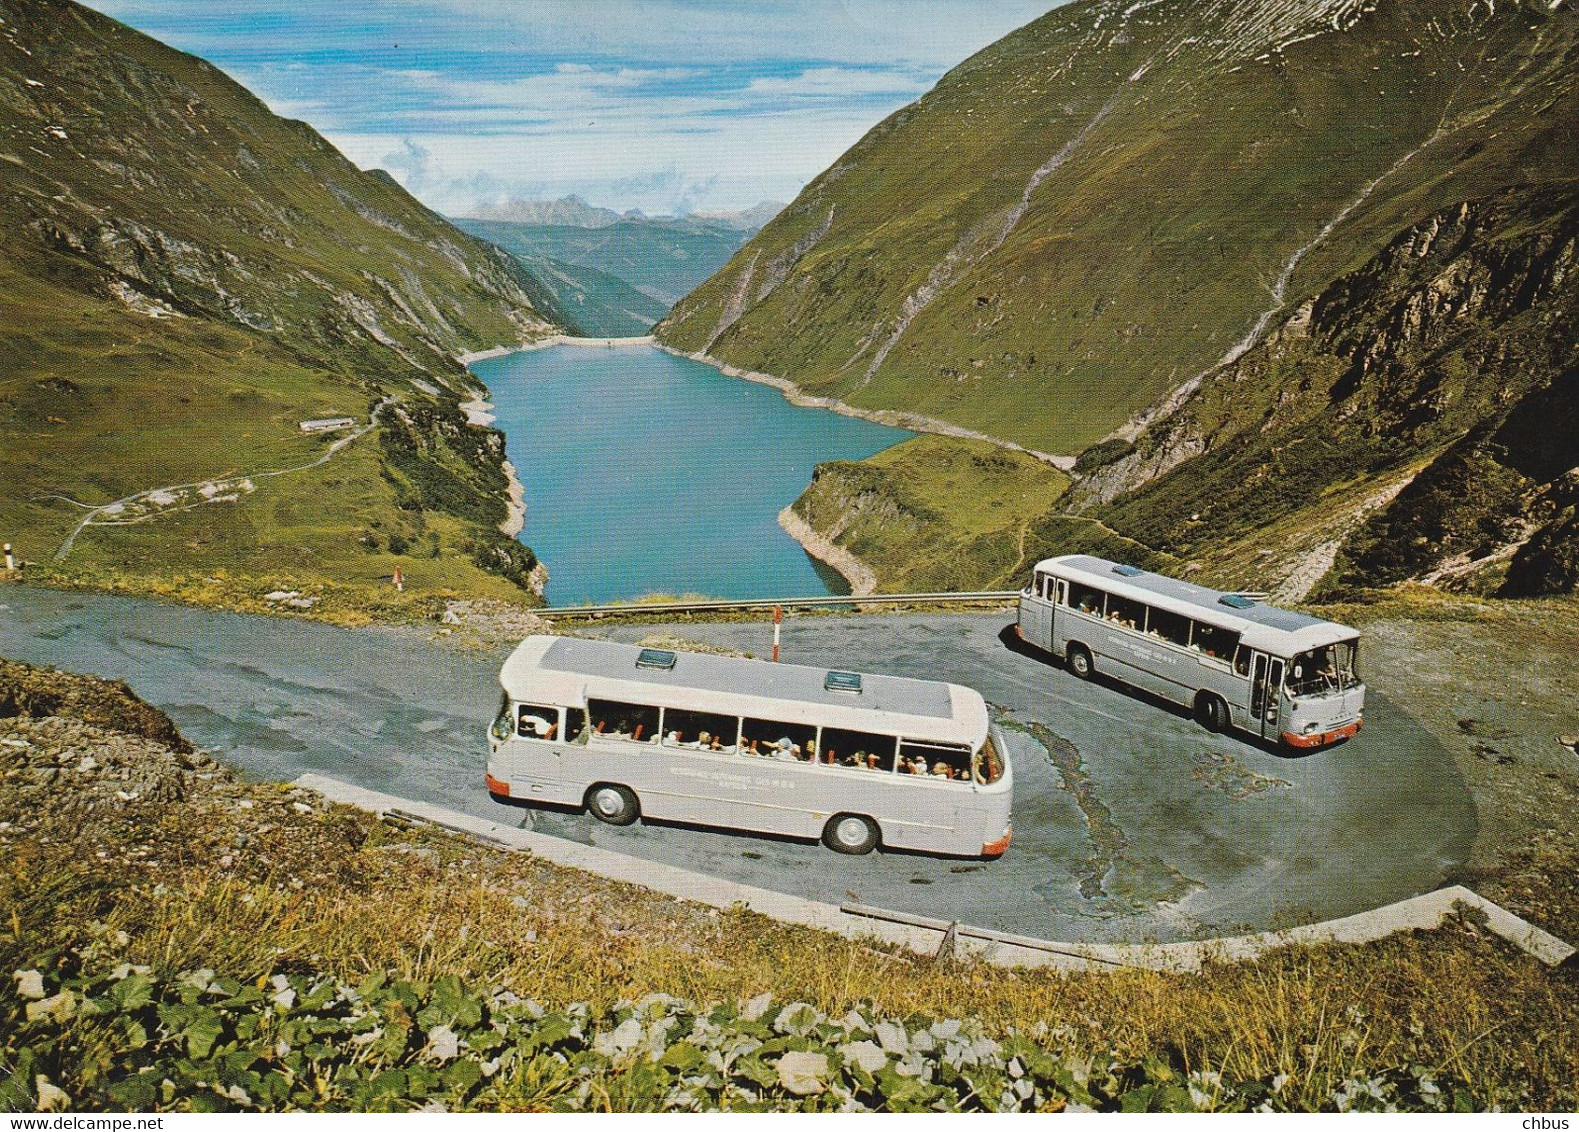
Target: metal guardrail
[(771, 602)]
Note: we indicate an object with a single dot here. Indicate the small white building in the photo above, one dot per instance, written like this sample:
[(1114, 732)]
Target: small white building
[(328, 424)]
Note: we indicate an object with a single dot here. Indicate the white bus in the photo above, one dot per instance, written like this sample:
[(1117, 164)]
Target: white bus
[(1238, 663), (855, 759)]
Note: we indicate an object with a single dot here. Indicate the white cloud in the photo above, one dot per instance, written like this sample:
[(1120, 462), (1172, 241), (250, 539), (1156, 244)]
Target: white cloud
[(658, 104)]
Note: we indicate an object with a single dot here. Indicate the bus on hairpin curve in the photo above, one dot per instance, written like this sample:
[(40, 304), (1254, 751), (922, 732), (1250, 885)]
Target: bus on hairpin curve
[(1274, 673), (855, 759)]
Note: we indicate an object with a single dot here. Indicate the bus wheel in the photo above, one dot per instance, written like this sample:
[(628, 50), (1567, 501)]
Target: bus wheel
[(850, 833), (1080, 662), (614, 804), (1211, 712)]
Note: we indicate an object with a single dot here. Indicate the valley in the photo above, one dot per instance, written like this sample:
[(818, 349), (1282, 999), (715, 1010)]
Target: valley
[(1273, 295)]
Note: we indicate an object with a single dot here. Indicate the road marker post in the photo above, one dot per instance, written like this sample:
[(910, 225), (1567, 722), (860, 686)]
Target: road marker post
[(400, 581), (778, 618), (10, 562)]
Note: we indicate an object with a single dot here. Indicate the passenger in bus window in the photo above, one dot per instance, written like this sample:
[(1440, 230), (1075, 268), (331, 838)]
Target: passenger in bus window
[(534, 725)]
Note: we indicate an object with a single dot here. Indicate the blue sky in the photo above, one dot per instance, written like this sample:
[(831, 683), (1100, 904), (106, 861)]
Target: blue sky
[(662, 105)]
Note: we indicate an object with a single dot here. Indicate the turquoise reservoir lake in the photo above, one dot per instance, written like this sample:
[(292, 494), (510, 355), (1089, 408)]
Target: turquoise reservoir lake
[(650, 473)]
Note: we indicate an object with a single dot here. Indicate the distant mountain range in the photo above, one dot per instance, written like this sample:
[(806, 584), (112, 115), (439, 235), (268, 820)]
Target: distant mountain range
[(573, 212), (184, 277), (608, 273), (1292, 278)]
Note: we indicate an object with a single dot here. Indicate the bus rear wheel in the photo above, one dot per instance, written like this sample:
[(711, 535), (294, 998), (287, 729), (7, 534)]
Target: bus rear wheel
[(1080, 662), (1211, 711), (850, 833), (616, 805)]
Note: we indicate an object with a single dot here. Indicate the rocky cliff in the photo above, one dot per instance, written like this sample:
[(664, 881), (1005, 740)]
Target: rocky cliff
[(1440, 375)]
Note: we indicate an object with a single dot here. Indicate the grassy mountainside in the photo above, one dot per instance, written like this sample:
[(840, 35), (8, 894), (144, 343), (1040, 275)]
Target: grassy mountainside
[(1293, 278), (1119, 196), (184, 277), (586, 299), (933, 513), (664, 257)]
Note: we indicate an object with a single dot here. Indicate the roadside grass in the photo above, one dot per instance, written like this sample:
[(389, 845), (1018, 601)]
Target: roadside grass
[(1453, 1006)]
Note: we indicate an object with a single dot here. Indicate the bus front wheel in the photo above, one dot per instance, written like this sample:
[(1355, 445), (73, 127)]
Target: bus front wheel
[(1211, 711), (850, 833), (616, 805), (1080, 661)]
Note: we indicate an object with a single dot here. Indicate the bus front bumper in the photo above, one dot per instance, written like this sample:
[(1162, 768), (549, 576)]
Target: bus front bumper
[(1322, 738), (997, 848), (496, 788)]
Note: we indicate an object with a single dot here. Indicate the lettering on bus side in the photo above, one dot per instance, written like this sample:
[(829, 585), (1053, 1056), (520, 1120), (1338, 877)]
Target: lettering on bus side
[(728, 778)]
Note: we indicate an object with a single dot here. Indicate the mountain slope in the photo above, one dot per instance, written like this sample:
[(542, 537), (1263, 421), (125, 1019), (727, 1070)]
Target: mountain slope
[(184, 277), (1120, 196), (1417, 420), (586, 299)]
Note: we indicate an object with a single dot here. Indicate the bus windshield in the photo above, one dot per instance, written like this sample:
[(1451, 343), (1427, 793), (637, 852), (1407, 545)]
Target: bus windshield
[(1330, 668), (502, 725), (988, 764)]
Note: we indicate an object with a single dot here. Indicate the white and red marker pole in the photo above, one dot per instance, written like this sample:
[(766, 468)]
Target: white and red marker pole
[(778, 619)]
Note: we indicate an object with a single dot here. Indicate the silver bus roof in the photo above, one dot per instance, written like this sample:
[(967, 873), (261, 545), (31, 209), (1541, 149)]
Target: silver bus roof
[(569, 670)]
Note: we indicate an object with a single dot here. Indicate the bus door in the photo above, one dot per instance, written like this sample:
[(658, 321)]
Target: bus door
[(536, 760), (1036, 613), (1266, 685)]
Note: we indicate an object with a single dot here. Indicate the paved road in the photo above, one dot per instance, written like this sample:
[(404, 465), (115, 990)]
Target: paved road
[(1131, 823)]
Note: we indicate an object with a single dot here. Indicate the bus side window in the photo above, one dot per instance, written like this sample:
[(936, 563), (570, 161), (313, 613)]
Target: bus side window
[(934, 760), (789, 742), (1087, 600), (575, 725), (1242, 661), (1209, 640), (1063, 592), (1126, 613), (859, 749), (633, 722), (1171, 627), (700, 730), (534, 721)]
